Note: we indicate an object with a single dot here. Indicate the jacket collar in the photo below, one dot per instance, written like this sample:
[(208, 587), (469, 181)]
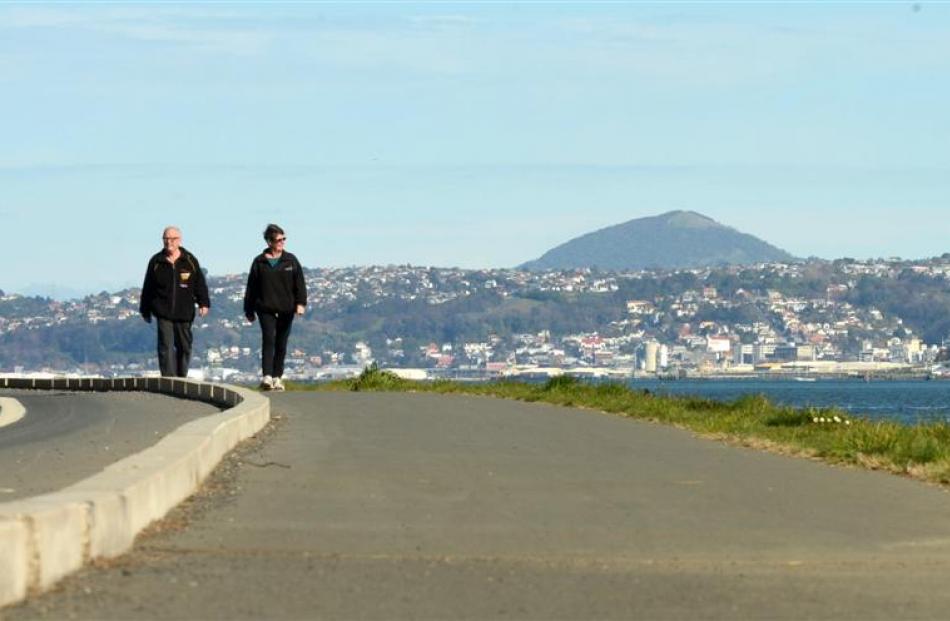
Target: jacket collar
[(282, 258), (182, 254)]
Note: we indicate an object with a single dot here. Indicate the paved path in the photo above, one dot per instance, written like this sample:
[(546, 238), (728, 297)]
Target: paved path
[(65, 437), (379, 506)]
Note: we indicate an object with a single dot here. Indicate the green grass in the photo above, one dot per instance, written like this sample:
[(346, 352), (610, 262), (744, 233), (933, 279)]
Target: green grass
[(919, 451)]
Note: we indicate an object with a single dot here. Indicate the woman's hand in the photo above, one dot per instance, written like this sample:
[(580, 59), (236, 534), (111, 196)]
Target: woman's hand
[(301, 309)]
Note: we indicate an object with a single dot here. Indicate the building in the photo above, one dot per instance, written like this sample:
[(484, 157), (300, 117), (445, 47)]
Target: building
[(651, 350)]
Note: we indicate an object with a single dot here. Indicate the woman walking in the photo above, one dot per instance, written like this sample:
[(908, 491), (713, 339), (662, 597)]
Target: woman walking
[(275, 292)]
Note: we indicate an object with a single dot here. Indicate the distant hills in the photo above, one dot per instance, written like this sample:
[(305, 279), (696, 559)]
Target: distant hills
[(677, 239)]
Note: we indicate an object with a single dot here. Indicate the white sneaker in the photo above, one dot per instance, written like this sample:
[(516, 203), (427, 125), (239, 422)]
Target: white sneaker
[(267, 383), (278, 384)]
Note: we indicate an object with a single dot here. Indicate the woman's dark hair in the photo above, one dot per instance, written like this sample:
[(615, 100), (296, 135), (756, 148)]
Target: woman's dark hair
[(272, 231)]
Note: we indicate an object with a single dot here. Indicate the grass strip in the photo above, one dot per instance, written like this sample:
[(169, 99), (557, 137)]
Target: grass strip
[(920, 451)]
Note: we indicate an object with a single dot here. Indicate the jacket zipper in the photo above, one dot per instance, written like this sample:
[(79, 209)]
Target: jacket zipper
[(174, 288)]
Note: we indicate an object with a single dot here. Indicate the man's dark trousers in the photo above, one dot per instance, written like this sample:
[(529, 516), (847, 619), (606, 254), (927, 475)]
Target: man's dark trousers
[(174, 347)]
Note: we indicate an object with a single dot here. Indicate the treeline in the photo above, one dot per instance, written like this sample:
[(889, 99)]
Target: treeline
[(923, 302)]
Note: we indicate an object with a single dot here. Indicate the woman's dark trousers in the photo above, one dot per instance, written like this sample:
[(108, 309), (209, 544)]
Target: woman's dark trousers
[(275, 329), (174, 347)]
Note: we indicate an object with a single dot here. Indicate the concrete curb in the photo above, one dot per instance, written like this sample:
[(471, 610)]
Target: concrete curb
[(46, 537), (11, 411)]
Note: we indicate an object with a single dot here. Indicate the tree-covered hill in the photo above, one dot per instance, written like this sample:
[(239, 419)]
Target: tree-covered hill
[(678, 239), (404, 309)]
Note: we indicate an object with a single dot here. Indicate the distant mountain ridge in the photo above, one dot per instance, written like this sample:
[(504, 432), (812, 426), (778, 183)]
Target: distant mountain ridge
[(676, 239)]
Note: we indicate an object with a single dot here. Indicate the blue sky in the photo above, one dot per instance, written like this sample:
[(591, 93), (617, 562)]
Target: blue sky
[(461, 134)]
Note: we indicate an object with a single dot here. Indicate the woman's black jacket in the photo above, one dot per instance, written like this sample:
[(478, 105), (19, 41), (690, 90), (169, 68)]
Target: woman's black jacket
[(277, 289)]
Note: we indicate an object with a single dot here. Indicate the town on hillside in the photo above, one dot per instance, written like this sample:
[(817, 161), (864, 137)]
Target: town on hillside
[(842, 318)]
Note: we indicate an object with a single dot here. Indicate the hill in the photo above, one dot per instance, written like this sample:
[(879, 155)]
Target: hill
[(678, 239), (424, 316)]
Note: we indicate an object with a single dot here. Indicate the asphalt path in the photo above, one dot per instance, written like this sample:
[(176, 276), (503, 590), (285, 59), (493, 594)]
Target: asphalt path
[(65, 437), (399, 506)]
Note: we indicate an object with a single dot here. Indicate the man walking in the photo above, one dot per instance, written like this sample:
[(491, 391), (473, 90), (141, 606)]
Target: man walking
[(173, 285)]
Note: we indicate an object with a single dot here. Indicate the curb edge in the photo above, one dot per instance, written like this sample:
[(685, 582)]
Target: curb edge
[(44, 538)]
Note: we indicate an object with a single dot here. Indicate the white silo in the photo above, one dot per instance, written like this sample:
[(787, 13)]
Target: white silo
[(650, 351)]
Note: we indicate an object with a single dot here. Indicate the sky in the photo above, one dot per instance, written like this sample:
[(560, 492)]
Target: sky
[(467, 134)]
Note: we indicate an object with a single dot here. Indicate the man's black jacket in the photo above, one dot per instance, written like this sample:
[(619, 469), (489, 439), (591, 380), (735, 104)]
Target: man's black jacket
[(171, 291), (277, 289)]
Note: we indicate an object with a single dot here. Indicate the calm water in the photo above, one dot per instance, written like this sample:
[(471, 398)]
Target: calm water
[(905, 401)]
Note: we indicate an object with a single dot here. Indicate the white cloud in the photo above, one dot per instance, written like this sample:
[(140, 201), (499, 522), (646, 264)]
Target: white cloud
[(444, 21), (197, 30), (14, 18), (733, 52), (431, 53), (237, 42)]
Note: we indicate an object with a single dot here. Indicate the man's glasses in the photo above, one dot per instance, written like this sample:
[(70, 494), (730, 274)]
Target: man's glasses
[(171, 238), (278, 240)]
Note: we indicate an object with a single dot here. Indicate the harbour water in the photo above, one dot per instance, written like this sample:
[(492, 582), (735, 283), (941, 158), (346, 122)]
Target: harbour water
[(905, 401)]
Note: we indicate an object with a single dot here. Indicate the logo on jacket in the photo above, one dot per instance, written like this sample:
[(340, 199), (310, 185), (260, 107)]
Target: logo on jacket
[(185, 276)]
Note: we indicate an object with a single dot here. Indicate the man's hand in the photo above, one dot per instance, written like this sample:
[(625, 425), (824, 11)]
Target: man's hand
[(249, 317), (202, 310), (301, 309), (147, 317)]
